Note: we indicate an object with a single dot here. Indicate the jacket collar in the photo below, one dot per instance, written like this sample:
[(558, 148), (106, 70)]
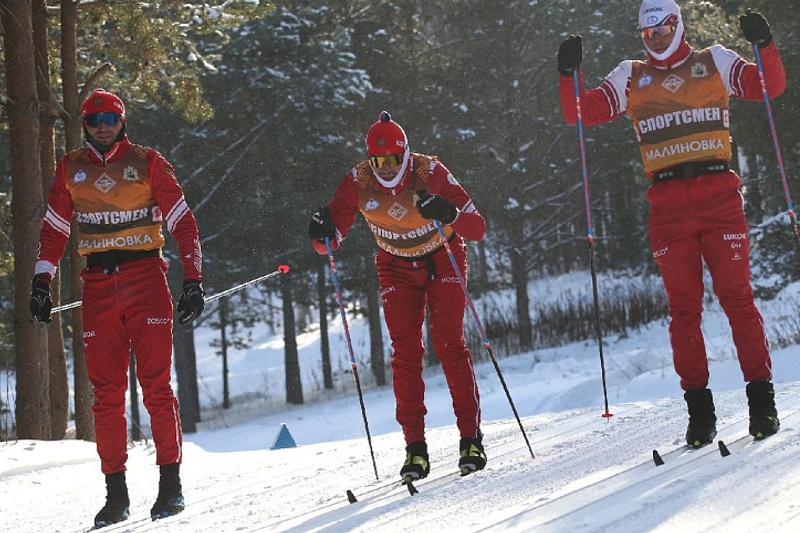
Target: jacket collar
[(117, 150)]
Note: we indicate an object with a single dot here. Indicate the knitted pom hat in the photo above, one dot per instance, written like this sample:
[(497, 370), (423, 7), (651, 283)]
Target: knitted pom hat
[(386, 137)]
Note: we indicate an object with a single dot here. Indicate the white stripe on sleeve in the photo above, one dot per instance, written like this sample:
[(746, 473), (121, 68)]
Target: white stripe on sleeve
[(56, 221), (176, 214)]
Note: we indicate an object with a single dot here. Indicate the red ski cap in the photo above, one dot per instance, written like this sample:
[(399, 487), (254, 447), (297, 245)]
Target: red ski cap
[(386, 137)]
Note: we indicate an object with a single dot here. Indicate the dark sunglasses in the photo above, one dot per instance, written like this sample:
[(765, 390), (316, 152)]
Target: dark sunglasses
[(110, 118), (393, 160)]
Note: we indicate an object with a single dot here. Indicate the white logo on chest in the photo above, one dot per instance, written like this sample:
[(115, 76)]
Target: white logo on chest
[(397, 211), (672, 83), (130, 174), (699, 70), (104, 183)]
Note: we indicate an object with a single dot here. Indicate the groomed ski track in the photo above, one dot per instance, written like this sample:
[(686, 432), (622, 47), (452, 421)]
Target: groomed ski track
[(585, 464)]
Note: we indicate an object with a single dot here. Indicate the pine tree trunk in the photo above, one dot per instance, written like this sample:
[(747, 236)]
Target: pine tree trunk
[(294, 385), (186, 372), (133, 387), (324, 343), (27, 206), (84, 396), (519, 275), (59, 382), (223, 326), (429, 359)]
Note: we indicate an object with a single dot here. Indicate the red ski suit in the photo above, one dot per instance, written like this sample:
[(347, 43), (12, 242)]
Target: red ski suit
[(680, 116), (414, 269), (118, 201)]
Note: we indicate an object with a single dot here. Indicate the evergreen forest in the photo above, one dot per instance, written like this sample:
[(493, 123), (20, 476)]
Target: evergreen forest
[(263, 108)]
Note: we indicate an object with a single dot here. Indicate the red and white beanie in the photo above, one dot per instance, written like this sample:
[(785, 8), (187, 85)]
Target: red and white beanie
[(386, 137)]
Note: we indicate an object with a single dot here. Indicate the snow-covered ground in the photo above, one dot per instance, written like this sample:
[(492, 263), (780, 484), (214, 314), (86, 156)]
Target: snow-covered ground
[(590, 473)]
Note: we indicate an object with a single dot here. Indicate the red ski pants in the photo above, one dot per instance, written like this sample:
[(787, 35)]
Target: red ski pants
[(406, 287), (713, 230), (131, 307)]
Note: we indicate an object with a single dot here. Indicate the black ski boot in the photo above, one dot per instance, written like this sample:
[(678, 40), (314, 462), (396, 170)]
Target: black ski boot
[(170, 495), (472, 456), (416, 465), (117, 504), (702, 420), (763, 415)]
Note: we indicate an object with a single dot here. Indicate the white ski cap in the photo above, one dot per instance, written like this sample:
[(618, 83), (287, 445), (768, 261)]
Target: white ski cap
[(656, 12)]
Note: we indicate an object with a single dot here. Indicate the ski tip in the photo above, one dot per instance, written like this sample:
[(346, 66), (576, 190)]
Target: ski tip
[(283, 269), (351, 497), (723, 450), (657, 458)]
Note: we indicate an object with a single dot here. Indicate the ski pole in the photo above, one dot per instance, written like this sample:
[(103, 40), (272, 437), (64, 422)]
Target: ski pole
[(281, 270), (590, 237), (774, 132), (64, 307), (481, 330), (350, 348)]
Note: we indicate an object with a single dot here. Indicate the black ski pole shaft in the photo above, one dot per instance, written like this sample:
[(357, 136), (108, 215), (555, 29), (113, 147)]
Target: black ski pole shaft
[(350, 348), (590, 236), (281, 270), (777, 146), (485, 339)]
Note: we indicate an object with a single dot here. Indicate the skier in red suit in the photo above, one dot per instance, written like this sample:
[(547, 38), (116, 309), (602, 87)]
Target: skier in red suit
[(678, 103), (400, 194), (120, 194)]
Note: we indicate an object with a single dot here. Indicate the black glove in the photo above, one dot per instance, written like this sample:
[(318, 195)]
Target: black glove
[(570, 55), (435, 206), (191, 303), (321, 226), (41, 304), (755, 28)]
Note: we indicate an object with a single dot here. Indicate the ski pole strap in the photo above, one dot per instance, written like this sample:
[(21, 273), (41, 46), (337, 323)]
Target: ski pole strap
[(691, 169)]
